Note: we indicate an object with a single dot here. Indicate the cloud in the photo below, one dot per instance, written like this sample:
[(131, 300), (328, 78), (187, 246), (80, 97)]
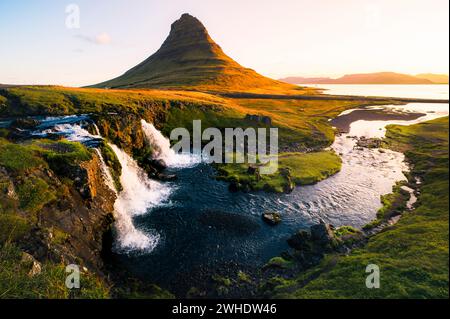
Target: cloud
[(103, 38), (100, 39)]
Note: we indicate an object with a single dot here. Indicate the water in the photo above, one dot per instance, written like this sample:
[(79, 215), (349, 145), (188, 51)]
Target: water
[(177, 233), (163, 151), (138, 196), (422, 91), (206, 228), (139, 193)]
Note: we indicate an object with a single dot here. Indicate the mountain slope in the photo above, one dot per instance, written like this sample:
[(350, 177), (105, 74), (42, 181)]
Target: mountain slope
[(435, 78), (363, 78), (190, 59)]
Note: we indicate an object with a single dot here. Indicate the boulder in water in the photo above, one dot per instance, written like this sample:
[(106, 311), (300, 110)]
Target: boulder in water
[(166, 177), (271, 218), (159, 164)]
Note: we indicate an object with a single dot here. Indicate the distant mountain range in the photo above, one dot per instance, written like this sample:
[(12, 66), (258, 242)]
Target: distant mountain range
[(190, 59), (373, 78)]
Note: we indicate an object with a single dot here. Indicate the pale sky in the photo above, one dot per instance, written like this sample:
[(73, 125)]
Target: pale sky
[(276, 38)]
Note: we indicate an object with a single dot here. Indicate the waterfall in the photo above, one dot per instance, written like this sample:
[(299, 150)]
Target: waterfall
[(163, 151), (97, 131), (109, 181), (138, 195)]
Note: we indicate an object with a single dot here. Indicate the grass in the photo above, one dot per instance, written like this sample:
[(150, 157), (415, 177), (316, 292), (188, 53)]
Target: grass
[(301, 122), (18, 158), (393, 204), (302, 168), (279, 262), (190, 59), (15, 282), (34, 193), (413, 254)]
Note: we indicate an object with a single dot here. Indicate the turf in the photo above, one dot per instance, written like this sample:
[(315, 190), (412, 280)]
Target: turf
[(413, 254)]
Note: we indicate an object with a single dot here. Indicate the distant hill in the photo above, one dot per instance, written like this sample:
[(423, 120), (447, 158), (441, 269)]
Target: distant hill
[(435, 78), (190, 59), (372, 78)]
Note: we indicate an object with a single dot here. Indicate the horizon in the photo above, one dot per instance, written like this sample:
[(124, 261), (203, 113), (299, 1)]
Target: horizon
[(102, 49)]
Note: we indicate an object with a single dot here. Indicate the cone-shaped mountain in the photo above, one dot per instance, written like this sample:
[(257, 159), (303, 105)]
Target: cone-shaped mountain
[(190, 59)]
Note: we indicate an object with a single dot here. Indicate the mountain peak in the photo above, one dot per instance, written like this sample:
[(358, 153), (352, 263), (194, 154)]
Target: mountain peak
[(185, 31), (190, 59)]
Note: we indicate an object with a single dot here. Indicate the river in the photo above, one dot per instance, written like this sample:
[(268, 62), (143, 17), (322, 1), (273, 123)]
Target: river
[(204, 228), (178, 233)]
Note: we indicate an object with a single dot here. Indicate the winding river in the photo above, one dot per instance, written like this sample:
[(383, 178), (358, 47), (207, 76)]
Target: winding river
[(192, 227)]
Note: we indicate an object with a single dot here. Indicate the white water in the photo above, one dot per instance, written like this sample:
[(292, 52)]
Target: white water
[(109, 181), (74, 132), (138, 195), (97, 131), (163, 151)]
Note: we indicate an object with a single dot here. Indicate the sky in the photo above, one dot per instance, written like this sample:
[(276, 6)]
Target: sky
[(43, 42)]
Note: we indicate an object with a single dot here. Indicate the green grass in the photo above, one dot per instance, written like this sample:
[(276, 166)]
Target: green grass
[(49, 284), (63, 154), (413, 255), (18, 158), (279, 262), (393, 204), (304, 169), (34, 193)]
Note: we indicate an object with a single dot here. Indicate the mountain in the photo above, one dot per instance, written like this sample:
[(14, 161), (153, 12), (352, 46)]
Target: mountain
[(363, 78), (435, 78), (304, 80), (190, 59)]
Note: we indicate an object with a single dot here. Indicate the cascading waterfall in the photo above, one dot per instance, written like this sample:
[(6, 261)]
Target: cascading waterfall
[(97, 131), (163, 151), (138, 195), (109, 181)]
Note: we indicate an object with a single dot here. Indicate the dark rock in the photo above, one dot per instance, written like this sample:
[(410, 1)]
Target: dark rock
[(252, 170), (300, 240), (234, 187), (285, 171), (25, 123), (289, 186), (368, 142), (271, 218), (166, 177), (159, 164), (322, 233), (259, 119)]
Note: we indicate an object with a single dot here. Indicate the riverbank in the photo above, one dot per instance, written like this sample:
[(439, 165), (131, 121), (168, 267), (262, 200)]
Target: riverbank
[(342, 122), (413, 253)]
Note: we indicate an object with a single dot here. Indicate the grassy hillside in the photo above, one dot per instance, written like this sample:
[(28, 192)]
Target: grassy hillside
[(301, 122), (413, 255)]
